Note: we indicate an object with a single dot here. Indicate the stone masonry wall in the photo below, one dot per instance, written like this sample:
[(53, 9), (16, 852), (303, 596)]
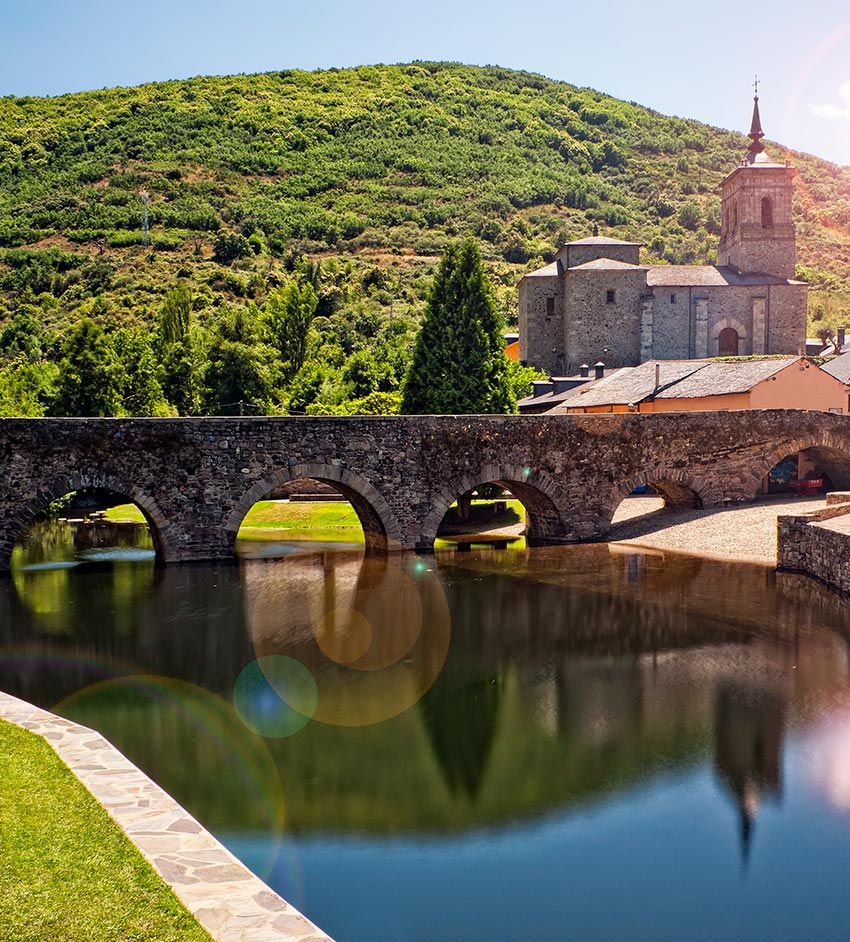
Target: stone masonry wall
[(539, 333), (195, 479), (819, 552)]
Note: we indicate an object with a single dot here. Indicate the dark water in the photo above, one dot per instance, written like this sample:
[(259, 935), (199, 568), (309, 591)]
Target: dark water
[(539, 744)]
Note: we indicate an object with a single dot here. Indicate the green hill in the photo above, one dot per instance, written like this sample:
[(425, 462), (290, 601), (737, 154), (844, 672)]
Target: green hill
[(371, 169)]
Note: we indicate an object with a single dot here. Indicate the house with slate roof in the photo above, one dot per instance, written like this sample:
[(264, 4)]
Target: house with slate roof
[(596, 301), (709, 385)]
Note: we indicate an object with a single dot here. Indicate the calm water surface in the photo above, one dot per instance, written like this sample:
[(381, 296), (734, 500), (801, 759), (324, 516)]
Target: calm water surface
[(538, 744)]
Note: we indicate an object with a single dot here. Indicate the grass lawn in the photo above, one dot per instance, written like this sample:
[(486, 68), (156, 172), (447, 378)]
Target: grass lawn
[(67, 872)]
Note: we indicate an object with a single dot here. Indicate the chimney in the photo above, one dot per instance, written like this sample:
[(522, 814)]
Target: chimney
[(842, 330), (657, 376), (539, 387), (584, 371), (598, 370)]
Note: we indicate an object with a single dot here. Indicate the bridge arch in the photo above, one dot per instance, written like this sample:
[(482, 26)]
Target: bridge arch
[(536, 490), (381, 529), (828, 450), (25, 514), (680, 488)]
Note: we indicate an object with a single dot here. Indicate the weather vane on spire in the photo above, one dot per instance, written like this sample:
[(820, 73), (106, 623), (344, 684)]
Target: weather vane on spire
[(756, 86)]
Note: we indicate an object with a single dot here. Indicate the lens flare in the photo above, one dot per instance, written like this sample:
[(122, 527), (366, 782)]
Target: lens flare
[(275, 696), (372, 632)]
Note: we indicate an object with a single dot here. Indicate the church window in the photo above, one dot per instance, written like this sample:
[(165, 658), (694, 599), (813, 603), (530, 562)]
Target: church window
[(550, 307), (766, 213), (734, 216), (727, 342), (672, 298), (610, 297)]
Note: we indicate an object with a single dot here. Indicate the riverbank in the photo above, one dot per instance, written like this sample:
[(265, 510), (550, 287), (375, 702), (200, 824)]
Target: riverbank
[(745, 532), (68, 872)]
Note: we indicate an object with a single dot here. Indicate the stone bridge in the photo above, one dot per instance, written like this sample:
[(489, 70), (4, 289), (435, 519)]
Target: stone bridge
[(195, 479)]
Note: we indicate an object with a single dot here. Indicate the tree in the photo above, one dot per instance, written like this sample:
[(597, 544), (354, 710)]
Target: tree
[(89, 374), (361, 374), (241, 370), (229, 246), (175, 318), (141, 392), (690, 216), (179, 375), (459, 365), (287, 315)]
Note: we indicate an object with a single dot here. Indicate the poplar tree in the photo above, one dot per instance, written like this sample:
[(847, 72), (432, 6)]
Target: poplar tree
[(179, 376), (459, 365), (89, 373)]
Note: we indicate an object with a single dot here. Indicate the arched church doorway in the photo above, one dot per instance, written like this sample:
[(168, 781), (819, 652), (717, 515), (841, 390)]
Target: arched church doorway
[(727, 342)]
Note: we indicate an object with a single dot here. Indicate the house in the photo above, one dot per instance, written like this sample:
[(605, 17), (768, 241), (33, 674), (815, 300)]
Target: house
[(709, 385)]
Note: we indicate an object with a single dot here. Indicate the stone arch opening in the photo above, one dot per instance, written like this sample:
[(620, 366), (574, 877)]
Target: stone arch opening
[(804, 469), (303, 503), (541, 522), (655, 492), (766, 212), (72, 518)]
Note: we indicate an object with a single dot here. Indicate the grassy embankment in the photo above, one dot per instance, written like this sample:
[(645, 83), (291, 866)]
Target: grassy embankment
[(308, 520), (68, 872)]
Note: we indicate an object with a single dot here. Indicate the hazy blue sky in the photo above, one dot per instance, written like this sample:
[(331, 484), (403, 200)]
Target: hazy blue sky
[(679, 57)]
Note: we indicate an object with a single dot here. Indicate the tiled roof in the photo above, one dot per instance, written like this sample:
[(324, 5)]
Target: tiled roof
[(839, 367), (601, 240), (699, 276), (680, 379), (724, 378), (634, 383), (548, 271), (607, 264)]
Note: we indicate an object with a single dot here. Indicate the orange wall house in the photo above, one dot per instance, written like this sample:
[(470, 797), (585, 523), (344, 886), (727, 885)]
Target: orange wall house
[(795, 383)]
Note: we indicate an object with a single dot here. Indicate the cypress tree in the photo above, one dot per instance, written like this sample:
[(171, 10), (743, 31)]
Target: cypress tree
[(459, 365)]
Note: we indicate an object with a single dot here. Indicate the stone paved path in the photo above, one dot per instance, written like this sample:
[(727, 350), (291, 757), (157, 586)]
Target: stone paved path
[(747, 532)]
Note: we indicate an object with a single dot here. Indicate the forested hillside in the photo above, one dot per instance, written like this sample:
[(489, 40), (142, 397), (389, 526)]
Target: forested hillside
[(353, 181)]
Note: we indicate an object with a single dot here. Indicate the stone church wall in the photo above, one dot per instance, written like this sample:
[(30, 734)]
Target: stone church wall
[(671, 333), (597, 330), (539, 333), (787, 318)]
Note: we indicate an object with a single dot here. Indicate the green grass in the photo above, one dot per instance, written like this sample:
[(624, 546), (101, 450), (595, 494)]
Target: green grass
[(68, 872)]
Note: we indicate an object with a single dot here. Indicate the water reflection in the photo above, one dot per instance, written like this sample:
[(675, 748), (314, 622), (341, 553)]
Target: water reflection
[(471, 694)]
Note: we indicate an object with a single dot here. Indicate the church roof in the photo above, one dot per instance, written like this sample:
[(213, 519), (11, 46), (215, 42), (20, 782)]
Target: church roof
[(706, 276), (601, 240), (607, 264), (548, 271)]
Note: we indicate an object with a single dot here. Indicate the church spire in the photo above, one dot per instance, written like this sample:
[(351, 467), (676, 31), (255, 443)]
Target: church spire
[(756, 134)]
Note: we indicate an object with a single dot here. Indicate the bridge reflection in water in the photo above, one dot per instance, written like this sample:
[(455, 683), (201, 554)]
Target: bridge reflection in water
[(468, 694)]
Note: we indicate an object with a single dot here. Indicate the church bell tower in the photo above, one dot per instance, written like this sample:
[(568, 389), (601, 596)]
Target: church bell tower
[(757, 231)]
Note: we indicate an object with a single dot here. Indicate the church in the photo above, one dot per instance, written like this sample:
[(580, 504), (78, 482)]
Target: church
[(596, 301)]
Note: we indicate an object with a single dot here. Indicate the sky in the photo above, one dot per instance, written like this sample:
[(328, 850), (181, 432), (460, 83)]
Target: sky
[(691, 59)]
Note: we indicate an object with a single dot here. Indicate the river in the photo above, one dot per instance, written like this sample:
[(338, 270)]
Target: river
[(507, 743)]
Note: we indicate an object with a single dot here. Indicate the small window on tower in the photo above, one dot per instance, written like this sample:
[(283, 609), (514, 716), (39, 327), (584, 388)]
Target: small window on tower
[(766, 213), (550, 307), (672, 298), (611, 297)]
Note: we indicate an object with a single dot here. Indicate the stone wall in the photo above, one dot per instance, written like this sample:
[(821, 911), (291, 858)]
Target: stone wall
[(804, 545), (541, 335), (195, 479), (597, 330)]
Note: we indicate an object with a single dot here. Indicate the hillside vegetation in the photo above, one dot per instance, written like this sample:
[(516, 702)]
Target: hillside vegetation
[(354, 180)]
